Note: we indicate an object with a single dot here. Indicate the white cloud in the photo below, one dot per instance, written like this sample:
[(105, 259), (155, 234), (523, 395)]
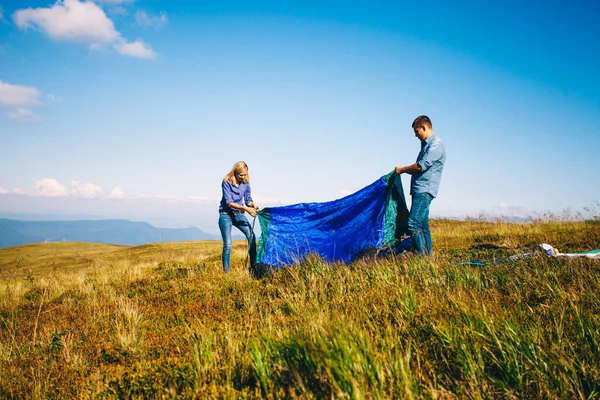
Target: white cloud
[(15, 95), (51, 97), (86, 190), (142, 196), (49, 187), (137, 49), (21, 114), (114, 1), (117, 193), (347, 192), (503, 204), (69, 20), (84, 22), (201, 200), (149, 21)]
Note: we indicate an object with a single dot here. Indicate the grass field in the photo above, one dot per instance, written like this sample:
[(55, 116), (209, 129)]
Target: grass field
[(80, 320)]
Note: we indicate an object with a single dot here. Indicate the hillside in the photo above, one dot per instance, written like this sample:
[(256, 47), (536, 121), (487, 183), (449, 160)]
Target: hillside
[(161, 320), (44, 259), (122, 232)]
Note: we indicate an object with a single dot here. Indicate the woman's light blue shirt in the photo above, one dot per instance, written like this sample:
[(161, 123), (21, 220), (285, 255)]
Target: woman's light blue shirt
[(239, 194)]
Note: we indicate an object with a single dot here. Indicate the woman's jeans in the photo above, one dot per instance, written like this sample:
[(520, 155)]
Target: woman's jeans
[(418, 223), (226, 221)]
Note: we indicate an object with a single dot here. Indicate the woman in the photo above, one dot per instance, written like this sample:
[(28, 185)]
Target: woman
[(235, 201)]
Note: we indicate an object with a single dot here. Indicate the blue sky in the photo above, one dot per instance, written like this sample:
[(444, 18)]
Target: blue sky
[(137, 109)]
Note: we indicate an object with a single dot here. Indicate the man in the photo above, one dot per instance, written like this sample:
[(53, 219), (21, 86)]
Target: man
[(425, 181)]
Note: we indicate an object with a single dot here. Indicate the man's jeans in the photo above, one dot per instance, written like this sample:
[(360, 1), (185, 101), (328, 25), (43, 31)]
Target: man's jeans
[(418, 223), (226, 221)]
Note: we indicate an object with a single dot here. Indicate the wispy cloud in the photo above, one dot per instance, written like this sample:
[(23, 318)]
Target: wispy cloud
[(114, 1), (86, 190), (504, 207), (1, 13), (49, 187), (118, 10), (15, 95), (84, 22), (200, 199), (163, 197), (506, 210), (116, 194), (265, 201), (136, 49), (149, 21), (21, 114), (260, 200)]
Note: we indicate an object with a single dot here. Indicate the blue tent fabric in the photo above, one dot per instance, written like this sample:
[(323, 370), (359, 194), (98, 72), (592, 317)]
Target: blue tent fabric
[(337, 231)]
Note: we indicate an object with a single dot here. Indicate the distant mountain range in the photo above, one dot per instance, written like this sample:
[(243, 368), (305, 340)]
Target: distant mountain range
[(113, 231)]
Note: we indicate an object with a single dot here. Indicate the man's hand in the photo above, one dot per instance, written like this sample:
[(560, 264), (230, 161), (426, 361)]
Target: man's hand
[(399, 169), (251, 211)]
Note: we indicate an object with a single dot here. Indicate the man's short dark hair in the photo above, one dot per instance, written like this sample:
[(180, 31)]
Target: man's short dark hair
[(420, 121)]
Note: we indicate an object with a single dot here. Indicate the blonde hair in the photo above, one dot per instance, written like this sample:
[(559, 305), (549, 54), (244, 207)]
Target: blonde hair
[(237, 168)]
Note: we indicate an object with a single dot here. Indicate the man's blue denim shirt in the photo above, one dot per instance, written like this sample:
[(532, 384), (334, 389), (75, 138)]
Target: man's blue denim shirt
[(239, 194), (431, 159)]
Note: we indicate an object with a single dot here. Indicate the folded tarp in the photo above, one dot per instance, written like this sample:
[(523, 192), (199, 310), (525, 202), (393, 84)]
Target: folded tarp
[(548, 249), (593, 254), (337, 231)]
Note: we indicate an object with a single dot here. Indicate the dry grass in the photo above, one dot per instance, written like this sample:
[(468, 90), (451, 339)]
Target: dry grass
[(162, 320)]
